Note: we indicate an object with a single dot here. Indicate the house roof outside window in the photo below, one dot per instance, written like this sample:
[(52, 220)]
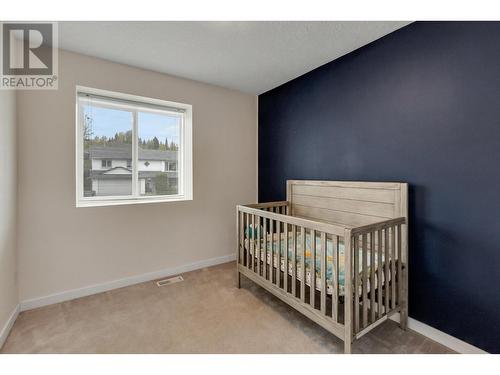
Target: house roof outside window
[(125, 153)]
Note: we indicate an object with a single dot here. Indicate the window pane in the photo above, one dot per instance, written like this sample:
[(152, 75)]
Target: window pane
[(159, 139), (107, 148)]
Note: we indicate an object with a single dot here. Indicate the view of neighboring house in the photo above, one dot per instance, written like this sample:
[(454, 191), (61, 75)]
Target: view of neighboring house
[(110, 171)]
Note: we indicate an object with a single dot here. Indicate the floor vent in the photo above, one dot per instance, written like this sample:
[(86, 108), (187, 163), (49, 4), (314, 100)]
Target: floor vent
[(172, 280)]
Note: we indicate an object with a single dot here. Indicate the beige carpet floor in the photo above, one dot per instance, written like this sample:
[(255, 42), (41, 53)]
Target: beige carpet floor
[(206, 313)]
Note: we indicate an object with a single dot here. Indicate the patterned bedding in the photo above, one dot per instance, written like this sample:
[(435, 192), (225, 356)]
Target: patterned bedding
[(329, 252)]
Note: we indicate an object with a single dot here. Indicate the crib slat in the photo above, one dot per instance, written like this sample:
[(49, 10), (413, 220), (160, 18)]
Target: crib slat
[(323, 272), (252, 247), (246, 239), (259, 234), (356, 283), (372, 277), (278, 253), (312, 294), (379, 273), (335, 274), (285, 268), (365, 280), (242, 238), (400, 265), (269, 251), (255, 242), (266, 251), (271, 232), (393, 268), (303, 263), (294, 260), (250, 242), (386, 266)]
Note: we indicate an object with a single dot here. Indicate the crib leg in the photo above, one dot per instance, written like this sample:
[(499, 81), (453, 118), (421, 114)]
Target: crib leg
[(403, 319), (238, 279), (403, 314), (347, 347)]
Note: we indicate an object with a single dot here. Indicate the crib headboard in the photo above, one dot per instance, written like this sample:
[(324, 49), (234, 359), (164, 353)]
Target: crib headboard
[(348, 203)]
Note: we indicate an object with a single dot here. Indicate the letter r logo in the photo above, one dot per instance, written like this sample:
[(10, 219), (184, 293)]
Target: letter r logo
[(27, 48)]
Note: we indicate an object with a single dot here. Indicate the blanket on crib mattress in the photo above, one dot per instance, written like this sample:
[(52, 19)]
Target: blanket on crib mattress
[(317, 269)]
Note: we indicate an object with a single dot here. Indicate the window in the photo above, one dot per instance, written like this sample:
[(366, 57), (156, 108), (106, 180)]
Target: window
[(170, 166), (131, 149), (106, 163)]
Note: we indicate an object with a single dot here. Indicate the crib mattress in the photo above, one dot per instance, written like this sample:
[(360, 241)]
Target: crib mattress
[(317, 269)]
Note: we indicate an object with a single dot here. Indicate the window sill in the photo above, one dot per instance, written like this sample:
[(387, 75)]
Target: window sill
[(121, 202)]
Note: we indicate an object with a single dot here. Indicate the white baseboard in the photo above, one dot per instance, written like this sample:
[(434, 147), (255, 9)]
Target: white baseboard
[(439, 336), (8, 326), (99, 288)]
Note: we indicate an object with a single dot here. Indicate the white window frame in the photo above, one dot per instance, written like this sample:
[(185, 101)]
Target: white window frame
[(134, 102)]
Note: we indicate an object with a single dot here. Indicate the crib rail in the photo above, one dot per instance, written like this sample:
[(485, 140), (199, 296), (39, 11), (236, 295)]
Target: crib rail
[(280, 207)]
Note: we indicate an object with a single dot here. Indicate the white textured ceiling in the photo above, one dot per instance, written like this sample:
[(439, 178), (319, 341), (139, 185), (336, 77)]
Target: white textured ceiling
[(253, 57)]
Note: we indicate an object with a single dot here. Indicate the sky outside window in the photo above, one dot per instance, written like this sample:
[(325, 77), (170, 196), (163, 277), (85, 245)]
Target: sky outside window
[(107, 122)]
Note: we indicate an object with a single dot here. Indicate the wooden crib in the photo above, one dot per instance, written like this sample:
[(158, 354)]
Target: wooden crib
[(346, 292)]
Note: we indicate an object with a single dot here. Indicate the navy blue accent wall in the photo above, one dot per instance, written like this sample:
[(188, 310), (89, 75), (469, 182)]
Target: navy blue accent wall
[(421, 105)]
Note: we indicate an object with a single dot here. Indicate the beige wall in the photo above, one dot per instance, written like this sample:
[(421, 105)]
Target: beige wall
[(8, 176), (62, 247)]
